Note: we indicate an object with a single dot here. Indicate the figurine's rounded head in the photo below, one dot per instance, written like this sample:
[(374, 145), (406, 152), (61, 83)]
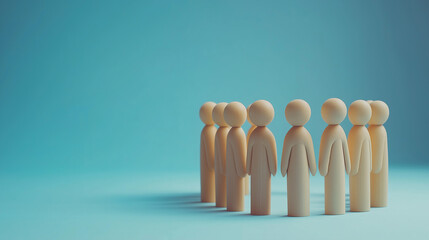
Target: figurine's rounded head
[(359, 112), (206, 113), (297, 112), (380, 113), (261, 113), (248, 118), (218, 111), (334, 111), (235, 114)]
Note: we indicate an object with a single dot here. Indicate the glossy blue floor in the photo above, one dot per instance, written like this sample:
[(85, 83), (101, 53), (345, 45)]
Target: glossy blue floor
[(157, 206)]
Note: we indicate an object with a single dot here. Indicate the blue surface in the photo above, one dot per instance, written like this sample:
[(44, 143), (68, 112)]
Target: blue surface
[(99, 100), (166, 206)]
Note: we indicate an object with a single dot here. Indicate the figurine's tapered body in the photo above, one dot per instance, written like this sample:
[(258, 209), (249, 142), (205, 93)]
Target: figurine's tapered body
[(261, 158), (360, 158), (220, 165), (359, 144), (334, 156), (207, 154), (379, 180), (261, 164), (206, 164), (235, 115), (235, 169), (297, 158), (334, 147), (298, 183), (220, 153), (380, 161)]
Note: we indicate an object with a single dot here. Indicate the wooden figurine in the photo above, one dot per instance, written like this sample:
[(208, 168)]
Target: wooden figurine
[(297, 158), (380, 163), (235, 116), (359, 143), (261, 157), (220, 154), (252, 127), (207, 153), (334, 156)]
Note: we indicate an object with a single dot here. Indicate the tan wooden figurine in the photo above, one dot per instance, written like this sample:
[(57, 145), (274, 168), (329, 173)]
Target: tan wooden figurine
[(252, 127), (207, 153), (235, 116), (334, 156), (261, 157), (297, 158), (380, 163), (220, 154), (359, 143)]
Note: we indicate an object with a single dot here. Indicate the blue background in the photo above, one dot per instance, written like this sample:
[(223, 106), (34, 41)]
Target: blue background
[(113, 88)]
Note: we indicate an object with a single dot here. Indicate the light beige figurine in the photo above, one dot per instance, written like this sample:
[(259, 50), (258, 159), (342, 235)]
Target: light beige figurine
[(359, 143), (261, 157), (207, 153), (235, 116), (334, 156), (220, 153), (298, 158), (380, 163), (252, 127)]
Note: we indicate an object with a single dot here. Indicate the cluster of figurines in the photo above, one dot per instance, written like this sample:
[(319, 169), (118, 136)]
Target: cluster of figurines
[(228, 157)]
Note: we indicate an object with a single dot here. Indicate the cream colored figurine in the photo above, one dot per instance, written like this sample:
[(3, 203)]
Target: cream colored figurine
[(207, 153), (334, 156), (380, 163), (359, 144), (261, 157), (220, 154), (252, 127), (235, 116), (298, 158)]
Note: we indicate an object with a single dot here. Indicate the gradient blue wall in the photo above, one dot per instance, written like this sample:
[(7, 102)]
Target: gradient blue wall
[(117, 85)]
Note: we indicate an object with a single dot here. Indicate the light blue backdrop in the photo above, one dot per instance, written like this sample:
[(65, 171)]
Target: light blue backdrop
[(91, 86)]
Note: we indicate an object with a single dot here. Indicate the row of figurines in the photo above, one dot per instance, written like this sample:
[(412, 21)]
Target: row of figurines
[(228, 156)]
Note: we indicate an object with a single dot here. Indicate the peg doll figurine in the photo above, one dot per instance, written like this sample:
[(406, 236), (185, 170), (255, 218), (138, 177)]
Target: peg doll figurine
[(261, 157), (334, 156), (252, 127), (380, 163), (235, 116), (297, 158), (359, 143), (207, 153), (220, 154)]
